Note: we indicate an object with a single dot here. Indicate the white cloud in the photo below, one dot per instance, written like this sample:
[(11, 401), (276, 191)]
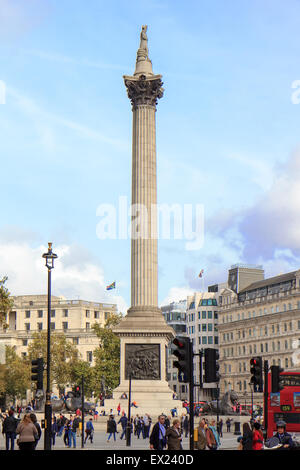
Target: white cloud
[(80, 279), (176, 294), (258, 170), (273, 222)]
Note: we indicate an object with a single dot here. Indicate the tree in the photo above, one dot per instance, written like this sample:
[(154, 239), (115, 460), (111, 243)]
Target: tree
[(107, 356), (15, 379), (63, 354), (6, 302), (83, 369)]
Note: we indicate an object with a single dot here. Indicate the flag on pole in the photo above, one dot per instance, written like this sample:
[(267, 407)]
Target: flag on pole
[(111, 286), (201, 272)]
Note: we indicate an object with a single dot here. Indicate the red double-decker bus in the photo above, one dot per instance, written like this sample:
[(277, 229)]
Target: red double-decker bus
[(286, 404)]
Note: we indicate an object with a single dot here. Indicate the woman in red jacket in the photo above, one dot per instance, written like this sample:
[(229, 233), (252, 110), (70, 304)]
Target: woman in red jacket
[(258, 438)]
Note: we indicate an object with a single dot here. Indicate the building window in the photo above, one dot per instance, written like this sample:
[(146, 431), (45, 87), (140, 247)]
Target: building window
[(52, 326), (76, 341), (203, 315), (65, 325), (27, 313), (210, 340), (87, 325), (87, 314), (286, 362), (40, 313), (204, 340), (96, 314), (25, 342), (65, 313), (27, 326), (40, 326), (89, 356), (52, 313)]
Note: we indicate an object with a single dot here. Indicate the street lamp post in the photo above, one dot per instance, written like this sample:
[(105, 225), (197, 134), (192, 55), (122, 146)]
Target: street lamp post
[(49, 257)]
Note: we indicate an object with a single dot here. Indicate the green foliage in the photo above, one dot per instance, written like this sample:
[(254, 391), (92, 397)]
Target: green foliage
[(107, 356), (63, 354), (6, 302), (15, 376), (83, 369)]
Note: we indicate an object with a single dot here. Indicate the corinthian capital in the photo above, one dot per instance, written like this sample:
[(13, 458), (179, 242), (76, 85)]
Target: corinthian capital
[(144, 90)]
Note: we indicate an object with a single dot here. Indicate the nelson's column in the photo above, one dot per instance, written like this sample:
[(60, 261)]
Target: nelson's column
[(144, 333)]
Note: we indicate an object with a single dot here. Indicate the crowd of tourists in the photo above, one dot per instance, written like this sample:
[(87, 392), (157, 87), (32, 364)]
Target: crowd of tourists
[(26, 431), (165, 434)]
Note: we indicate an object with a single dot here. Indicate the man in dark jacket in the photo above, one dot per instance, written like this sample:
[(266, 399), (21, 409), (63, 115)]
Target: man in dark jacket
[(9, 429), (111, 428), (158, 438), (284, 437), (123, 421)]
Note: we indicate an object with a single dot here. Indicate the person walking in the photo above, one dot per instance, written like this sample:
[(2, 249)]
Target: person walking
[(67, 427), (89, 430), (216, 435), (258, 438), (27, 434), (9, 427), (158, 438), (173, 435), (119, 409), (111, 428), (123, 421), (246, 440), (220, 427), (201, 443), (72, 432), (210, 438), (139, 426), (185, 424), (38, 428), (54, 430), (146, 425), (228, 424), (61, 424)]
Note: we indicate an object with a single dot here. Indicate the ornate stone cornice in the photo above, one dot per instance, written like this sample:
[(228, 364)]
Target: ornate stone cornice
[(143, 90)]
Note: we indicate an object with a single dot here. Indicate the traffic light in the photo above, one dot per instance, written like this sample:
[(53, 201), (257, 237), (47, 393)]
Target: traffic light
[(77, 391), (211, 365), (276, 380), (37, 368), (183, 354), (256, 369)]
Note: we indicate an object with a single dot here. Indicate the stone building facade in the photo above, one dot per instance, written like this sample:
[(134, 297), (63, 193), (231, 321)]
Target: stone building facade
[(74, 318), (261, 319)]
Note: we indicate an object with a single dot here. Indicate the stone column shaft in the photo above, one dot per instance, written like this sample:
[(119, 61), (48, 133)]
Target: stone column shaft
[(144, 232)]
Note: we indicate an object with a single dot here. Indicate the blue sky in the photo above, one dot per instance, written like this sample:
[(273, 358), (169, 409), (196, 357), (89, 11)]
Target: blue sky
[(227, 137)]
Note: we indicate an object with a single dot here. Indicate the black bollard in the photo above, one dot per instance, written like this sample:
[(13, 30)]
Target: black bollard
[(237, 428)]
